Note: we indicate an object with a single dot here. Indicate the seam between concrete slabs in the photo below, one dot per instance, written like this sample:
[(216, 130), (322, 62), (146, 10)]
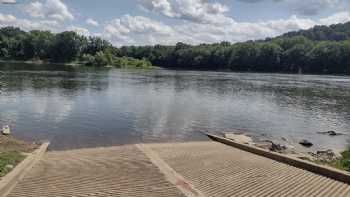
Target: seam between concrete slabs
[(171, 175)]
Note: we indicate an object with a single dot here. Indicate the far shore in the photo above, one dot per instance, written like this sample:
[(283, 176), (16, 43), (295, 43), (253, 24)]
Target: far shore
[(40, 62)]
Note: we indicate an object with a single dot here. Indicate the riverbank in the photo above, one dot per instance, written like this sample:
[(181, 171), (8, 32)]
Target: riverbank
[(339, 159), (91, 61), (12, 152), (40, 62)]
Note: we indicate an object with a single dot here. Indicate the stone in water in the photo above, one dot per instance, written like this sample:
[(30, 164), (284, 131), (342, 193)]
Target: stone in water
[(306, 143)]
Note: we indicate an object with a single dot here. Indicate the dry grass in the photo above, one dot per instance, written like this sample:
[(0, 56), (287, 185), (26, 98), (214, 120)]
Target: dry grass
[(9, 143)]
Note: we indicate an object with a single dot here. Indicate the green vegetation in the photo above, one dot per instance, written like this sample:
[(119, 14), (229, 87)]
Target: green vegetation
[(322, 49), (65, 47), (337, 32), (11, 150), (107, 59), (8, 160), (344, 162), (341, 163)]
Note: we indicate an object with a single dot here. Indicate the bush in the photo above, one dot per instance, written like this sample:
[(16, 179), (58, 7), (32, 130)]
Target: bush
[(127, 62), (88, 60)]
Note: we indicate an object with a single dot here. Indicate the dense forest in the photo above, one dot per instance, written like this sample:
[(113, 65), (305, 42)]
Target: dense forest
[(322, 49), (65, 47)]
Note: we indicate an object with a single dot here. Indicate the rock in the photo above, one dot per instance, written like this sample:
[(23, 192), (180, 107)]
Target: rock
[(6, 130), (276, 147), (325, 155), (284, 139), (306, 143), (330, 133)]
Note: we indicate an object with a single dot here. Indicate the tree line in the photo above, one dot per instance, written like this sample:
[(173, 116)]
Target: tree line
[(322, 49), (65, 47), (293, 55)]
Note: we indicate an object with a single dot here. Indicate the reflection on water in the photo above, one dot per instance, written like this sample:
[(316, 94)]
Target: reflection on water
[(90, 107)]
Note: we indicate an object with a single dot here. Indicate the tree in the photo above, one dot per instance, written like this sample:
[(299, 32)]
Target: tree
[(244, 56), (66, 47), (296, 59), (326, 57), (94, 45), (269, 57)]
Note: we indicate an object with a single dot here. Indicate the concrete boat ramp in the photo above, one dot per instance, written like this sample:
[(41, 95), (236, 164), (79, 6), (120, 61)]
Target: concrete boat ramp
[(180, 169)]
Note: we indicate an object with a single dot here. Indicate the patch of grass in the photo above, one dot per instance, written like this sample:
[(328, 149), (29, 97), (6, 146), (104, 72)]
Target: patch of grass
[(8, 160), (341, 163), (344, 162)]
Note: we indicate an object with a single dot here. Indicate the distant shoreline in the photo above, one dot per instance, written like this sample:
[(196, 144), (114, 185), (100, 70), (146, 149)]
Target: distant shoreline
[(32, 62), (78, 64)]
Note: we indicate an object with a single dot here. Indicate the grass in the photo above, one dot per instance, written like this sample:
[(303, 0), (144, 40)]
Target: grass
[(7, 159), (344, 162), (11, 150), (341, 164)]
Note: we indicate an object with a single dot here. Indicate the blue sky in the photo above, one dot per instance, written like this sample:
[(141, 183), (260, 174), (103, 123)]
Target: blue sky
[(148, 22)]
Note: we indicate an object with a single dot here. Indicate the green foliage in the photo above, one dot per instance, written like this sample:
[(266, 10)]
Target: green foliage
[(344, 162), (65, 47), (336, 32), (11, 158), (106, 58), (322, 49), (88, 60), (93, 45), (127, 62), (318, 50), (103, 59)]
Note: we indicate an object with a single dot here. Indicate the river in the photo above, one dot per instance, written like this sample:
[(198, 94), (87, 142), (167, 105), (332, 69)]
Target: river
[(85, 107)]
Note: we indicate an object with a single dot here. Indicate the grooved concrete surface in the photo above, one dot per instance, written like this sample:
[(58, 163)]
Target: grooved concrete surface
[(219, 170), (116, 171), (210, 167)]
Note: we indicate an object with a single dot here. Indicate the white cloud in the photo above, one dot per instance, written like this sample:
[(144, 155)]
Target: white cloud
[(54, 9), (25, 24), (139, 30), (92, 22), (200, 22), (8, 1), (201, 11), (7, 19), (340, 17)]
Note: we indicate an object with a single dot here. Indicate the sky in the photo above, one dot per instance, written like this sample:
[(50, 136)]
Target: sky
[(150, 22)]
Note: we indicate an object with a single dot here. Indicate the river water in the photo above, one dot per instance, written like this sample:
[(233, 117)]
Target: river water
[(84, 107)]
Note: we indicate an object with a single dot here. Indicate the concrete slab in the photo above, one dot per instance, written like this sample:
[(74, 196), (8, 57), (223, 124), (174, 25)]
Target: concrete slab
[(116, 171), (174, 169), (220, 170)]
